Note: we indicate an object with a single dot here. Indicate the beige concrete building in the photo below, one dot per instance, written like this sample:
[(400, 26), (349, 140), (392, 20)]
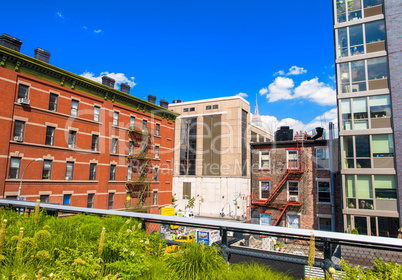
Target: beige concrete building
[(212, 155)]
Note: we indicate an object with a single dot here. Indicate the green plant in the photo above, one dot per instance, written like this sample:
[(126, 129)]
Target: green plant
[(246, 271), (190, 203), (355, 231), (381, 270)]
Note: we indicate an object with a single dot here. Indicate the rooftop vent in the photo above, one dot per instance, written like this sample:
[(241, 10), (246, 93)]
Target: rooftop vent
[(10, 42), (125, 88), (151, 98), (42, 55), (107, 81), (163, 103)]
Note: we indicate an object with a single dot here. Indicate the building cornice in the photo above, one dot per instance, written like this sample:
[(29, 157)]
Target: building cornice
[(30, 66)]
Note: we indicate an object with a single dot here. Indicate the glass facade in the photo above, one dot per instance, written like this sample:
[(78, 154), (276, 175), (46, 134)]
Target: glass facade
[(188, 146)]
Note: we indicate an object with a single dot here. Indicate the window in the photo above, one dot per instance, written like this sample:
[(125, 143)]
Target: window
[(97, 113), (50, 132), (112, 172), (47, 169), (23, 91), (144, 126), (359, 192), (92, 171), (383, 146), (74, 108), (156, 151), (132, 122), (208, 107), (185, 110), (72, 136), (114, 146), (158, 129), (363, 75), (15, 165), (130, 173), (188, 145), (69, 170), (192, 109), (95, 142), (155, 198), (44, 198), (347, 10), (265, 189), (110, 201), (130, 148), (265, 219), (293, 221), (156, 174), (91, 200), (292, 159), (19, 128), (385, 186), (324, 192), (293, 191), (322, 158), (186, 190), (324, 224), (215, 107), (379, 106), (116, 118), (67, 199), (359, 155), (53, 99), (264, 159)]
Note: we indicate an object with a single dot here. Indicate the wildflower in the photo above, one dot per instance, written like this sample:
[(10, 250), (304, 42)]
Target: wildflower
[(102, 241), (2, 234), (147, 242), (37, 210), (42, 236), (139, 226), (128, 230), (132, 253), (51, 275), (133, 228), (331, 270), (125, 250), (79, 261), (2, 258), (141, 241), (43, 255), (20, 236), (127, 222)]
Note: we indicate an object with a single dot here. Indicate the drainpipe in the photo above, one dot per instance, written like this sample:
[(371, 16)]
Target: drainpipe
[(331, 168)]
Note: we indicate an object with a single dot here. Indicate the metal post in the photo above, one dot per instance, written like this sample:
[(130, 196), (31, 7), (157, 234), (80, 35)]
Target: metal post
[(327, 257), (224, 235), (19, 189)]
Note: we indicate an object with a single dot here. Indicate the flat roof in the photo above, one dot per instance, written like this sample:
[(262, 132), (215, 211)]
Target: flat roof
[(209, 100)]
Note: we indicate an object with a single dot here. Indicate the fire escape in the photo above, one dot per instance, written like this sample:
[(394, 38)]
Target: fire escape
[(294, 172), (139, 160)]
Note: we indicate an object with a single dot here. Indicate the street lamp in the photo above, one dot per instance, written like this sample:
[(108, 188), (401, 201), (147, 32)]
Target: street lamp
[(19, 189)]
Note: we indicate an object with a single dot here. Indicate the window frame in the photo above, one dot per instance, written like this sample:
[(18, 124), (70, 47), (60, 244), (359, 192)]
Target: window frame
[(18, 169), (318, 192), (290, 193), (132, 122), (51, 137), (114, 148), (325, 160), (155, 198), (71, 164), (91, 200), (288, 160), (67, 197), (296, 216), (319, 223), (92, 171), (116, 118), (22, 129), (54, 104), (156, 174), (260, 160), (23, 91), (157, 129), (45, 170), (112, 173), (157, 150), (74, 109), (97, 110), (72, 139), (95, 143), (260, 185), (110, 201)]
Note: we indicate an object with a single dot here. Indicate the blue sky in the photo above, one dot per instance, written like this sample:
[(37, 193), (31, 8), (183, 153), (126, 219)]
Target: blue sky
[(281, 51)]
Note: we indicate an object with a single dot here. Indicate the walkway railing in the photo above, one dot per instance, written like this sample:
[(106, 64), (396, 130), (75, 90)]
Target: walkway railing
[(283, 248)]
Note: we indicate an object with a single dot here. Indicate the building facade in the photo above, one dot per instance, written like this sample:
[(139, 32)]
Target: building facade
[(294, 184), (368, 45), (80, 138), (212, 156)]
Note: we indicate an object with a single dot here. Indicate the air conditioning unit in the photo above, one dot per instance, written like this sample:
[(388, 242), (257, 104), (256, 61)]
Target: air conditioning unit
[(18, 138), (293, 198), (69, 178), (24, 101)]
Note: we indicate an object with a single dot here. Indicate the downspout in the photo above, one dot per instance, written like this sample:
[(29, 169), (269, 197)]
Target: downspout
[(331, 168)]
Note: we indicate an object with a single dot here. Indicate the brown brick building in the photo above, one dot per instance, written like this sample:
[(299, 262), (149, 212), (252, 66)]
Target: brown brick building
[(292, 184), (87, 144)]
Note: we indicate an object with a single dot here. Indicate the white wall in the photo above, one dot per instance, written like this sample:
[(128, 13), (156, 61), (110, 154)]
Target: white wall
[(217, 193)]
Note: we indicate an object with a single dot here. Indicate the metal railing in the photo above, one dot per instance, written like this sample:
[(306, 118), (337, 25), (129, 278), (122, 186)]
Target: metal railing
[(285, 249)]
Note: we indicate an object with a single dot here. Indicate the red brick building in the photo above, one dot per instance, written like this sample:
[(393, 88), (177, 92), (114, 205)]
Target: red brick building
[(292, 184), (80, 138)]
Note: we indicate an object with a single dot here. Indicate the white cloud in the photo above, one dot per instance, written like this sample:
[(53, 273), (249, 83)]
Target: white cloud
[(294, 70), (272, 124), (118, 77), (263, 91), (280, 72), (98, 31), (242, 94), (85, 27), (316, 91), (281, 88), (59, 14)]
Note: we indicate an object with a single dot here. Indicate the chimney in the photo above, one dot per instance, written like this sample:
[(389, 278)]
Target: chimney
[(125, 88), (151, 98), (107, 81), (163, 103), (10, 42), (42, 55)]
